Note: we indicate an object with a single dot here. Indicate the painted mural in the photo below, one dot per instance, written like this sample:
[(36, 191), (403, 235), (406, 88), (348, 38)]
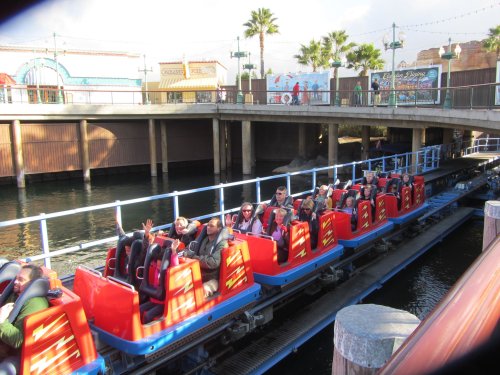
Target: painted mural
[(314, 88)]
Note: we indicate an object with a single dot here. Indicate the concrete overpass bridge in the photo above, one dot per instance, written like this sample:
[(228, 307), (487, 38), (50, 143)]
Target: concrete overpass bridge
[(418, 119)]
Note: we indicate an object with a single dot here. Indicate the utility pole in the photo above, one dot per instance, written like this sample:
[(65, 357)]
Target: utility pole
[(239, 54), (145, 71), (59, 98), (36, 76)]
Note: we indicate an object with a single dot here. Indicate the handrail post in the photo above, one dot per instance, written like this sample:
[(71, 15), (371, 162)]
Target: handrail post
[(288, 184), (406, 162), (335, 173), (471, 96), (45, 241), (176, 205), (353, 172), (221, 202), (383, 164), (118, 213), (425, 161), (257, 189), (313, 180)]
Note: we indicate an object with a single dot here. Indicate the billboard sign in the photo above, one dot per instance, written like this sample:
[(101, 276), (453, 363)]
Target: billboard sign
[(314, 88), (413, 86)]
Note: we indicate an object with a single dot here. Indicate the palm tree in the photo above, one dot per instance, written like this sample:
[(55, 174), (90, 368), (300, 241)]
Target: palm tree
[(334, 45), (311, 55), (365, 57), (492, 43), (262, 22)]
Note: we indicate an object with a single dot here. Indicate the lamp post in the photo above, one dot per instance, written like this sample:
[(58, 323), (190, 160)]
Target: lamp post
[(59, 97), (250, 67), (394, 45), (336, 64), (239, 54), (449, 56), (145, 71)]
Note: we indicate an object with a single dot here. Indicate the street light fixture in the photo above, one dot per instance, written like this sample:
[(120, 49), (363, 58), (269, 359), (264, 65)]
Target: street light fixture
[(239, 54), (336, 64), (250, 67), (394, 45), (449, 56)]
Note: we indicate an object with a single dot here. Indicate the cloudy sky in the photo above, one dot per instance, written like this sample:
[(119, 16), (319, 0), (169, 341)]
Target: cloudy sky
[(199, 29)]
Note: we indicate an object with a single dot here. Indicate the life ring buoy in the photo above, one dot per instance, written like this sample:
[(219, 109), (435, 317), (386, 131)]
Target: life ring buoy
[(286, 98)]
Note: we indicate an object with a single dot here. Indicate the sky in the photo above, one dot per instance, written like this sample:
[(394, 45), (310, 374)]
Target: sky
[(166, 31)]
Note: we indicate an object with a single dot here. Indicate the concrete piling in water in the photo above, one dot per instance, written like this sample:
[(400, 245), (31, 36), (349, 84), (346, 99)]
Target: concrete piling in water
[(366, 336), (491, 227)]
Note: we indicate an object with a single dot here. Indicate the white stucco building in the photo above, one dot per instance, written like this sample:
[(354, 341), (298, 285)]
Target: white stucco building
[(70, 76)]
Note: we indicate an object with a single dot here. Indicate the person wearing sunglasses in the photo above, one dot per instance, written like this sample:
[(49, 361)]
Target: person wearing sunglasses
[(307, 214), (281, 198), (246, 220)]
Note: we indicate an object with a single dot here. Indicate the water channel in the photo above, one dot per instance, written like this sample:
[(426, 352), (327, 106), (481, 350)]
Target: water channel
[(417, 290)]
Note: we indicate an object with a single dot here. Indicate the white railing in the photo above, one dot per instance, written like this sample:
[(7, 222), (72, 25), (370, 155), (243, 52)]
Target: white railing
[(424, 160), (484, 145)]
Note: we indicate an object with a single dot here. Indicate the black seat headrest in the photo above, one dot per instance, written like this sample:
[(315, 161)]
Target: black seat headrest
[(9, 271), (3, 261), (35, 288), (155, 291)]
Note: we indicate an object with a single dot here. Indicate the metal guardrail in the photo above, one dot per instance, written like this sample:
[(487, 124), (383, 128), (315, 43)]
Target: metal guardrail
[(483, 145), (482, 96), (424, 160)]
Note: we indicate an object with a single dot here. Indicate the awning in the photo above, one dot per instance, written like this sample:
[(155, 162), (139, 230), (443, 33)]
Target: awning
[(5, 79), (175, 84)]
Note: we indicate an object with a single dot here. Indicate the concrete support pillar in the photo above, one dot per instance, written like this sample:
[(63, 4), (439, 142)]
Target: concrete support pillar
[(416, 145), (222, 143), (302, 141), (84, 147), (491, 222), (252, 147), (229, 150), (447, 136), (365, 142), (164, 146), (366, 336), (18, 154), (388, 135), (474, 135), (215, 140), (333, 146), (246, 149), (152, 147)]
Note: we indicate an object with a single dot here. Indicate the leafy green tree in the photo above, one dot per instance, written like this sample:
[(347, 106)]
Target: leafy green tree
[(364, 58), (311, 55), (334, 46), (261, 23), (492, 43)]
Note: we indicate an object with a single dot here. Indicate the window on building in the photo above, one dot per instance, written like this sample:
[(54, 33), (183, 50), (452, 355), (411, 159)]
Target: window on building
[(204, 97), (174, 97)]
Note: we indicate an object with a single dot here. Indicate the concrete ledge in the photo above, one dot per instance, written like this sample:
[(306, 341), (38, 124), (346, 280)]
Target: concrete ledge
[(368, 335)]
